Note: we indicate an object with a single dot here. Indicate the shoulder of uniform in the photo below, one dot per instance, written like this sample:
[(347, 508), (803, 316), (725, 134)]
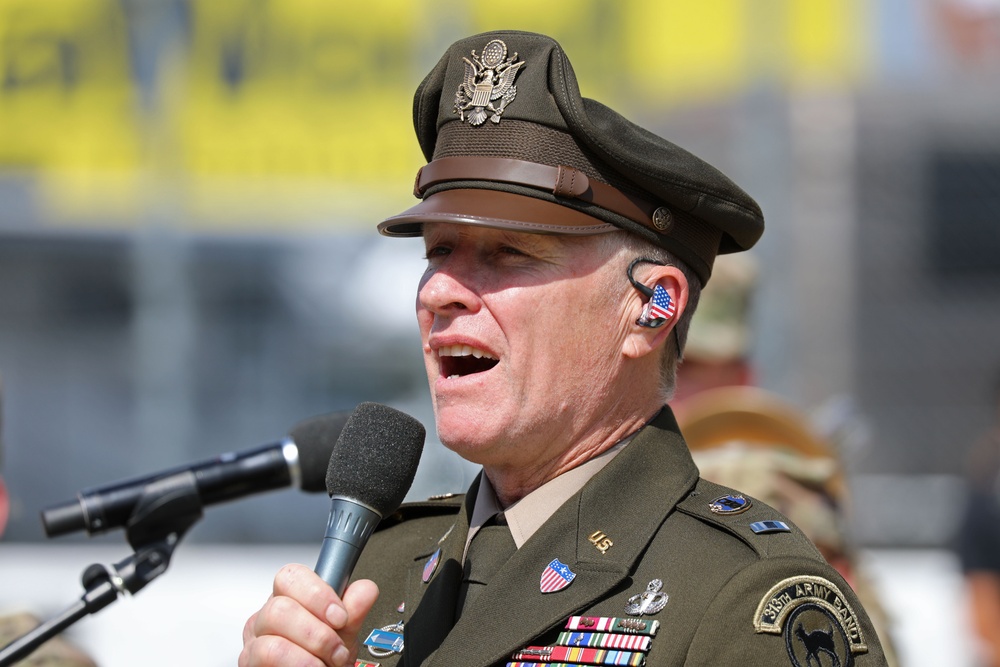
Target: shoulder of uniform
[(444, 505), (755, 523)]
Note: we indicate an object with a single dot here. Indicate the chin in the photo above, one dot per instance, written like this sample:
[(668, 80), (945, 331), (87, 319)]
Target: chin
[(464, 431)]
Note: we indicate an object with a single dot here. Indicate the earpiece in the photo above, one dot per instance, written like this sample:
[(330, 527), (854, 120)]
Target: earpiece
[(657, 310), (660, 306)]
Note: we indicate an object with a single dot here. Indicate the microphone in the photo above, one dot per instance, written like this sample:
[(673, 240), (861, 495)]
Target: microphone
[(371, 470), (300, 460)]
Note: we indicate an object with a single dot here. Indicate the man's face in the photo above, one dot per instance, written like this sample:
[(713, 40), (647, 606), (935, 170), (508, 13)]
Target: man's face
[(522, 339)]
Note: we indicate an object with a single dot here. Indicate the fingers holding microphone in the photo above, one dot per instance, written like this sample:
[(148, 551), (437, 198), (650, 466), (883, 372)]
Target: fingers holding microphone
[(313, 618), (305, 623)]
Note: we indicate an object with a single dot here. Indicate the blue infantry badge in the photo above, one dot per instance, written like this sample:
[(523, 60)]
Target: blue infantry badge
[(729, 504), (764, 527), (649, 602), (383, 642), (430, 566), (556, 577)]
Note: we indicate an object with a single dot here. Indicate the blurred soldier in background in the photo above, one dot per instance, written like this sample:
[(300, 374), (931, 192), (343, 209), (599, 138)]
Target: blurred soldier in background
[(717, 351), (753, 440), (979, 539), (54, 653), (745, 437)]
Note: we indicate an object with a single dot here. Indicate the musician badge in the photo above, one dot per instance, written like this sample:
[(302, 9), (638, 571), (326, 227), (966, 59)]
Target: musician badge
[(489, 84)]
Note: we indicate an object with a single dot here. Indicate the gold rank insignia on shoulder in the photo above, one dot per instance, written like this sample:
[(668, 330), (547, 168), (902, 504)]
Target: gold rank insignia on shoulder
[(814, 618), (488, 86)]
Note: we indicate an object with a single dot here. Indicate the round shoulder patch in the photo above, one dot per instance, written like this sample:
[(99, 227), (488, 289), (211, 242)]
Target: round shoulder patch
[(729, 504)]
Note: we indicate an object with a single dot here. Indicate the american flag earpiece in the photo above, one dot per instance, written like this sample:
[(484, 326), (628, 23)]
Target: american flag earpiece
[(657, 310), (660, 306)]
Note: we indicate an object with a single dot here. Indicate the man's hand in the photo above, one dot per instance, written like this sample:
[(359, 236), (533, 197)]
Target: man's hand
[(305, 624)]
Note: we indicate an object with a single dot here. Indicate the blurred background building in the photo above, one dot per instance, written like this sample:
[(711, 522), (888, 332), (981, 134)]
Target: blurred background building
[(189, 188)]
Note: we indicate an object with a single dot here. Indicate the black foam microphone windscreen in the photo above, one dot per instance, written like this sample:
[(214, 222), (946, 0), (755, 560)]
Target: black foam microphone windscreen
[(371, 470), (316, 438)]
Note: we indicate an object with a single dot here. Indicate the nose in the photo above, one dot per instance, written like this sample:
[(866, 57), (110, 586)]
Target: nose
[(448, 288)]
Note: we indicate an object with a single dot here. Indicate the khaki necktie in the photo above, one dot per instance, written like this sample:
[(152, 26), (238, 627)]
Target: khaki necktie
[(490, 548)]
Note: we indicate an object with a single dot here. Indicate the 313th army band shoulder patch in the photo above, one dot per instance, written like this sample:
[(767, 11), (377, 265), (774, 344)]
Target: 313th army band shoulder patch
[(815, 620)]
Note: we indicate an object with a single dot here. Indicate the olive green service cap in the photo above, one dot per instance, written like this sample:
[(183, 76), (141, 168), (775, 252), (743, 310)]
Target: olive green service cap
[(511, 144)]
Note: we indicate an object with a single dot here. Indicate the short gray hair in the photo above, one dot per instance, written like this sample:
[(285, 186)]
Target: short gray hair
[(625, 247)]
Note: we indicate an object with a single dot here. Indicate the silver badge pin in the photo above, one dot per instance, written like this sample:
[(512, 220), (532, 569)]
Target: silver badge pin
[(650, 601)]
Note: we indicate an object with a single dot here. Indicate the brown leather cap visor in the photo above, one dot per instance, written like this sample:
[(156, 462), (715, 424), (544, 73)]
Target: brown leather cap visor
[(496, 209)]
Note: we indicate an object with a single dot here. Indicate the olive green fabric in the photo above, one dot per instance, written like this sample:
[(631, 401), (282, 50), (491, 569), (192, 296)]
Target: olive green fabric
[(652, 506), (544, 119)]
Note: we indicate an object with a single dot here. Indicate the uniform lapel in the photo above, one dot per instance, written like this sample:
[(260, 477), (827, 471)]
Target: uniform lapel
[(434, 614), (628, 501)]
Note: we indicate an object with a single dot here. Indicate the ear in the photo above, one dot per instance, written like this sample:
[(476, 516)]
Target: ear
[(643, 340)]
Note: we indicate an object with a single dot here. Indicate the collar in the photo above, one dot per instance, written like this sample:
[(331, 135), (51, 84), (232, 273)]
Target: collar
[(528, 514)]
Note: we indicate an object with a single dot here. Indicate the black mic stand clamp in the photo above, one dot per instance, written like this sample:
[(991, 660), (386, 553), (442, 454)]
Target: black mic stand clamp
[(167, 510)]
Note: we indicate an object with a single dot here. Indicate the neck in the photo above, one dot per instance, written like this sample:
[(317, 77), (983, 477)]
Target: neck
[(512, 484)]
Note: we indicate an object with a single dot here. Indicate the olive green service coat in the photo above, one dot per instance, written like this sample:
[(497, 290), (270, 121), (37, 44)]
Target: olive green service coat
[(734, 597)]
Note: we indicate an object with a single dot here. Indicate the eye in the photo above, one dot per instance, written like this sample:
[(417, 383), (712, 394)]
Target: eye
[(511, 250), (437, 251)]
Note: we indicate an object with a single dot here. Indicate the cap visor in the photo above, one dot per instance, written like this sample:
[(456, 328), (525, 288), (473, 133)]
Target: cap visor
[(496, 209)]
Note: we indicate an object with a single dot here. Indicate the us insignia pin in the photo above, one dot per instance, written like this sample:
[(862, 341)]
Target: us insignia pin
[(556, 576), (729, 504)]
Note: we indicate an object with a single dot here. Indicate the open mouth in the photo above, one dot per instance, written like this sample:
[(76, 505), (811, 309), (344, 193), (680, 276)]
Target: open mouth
[(462, 360)]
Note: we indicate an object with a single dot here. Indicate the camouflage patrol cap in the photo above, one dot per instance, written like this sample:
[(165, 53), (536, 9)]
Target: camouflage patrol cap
[(512, 144), (753, 440), (756, 419)]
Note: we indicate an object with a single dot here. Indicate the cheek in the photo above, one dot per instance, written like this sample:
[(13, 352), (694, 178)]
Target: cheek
[(424, 316)]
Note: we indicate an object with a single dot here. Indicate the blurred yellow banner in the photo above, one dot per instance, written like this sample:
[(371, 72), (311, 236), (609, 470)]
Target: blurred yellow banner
[(66, 93), (265, 112)]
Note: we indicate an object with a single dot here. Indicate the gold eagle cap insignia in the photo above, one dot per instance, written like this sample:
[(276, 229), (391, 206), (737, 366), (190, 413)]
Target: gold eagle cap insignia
[(488, 86)]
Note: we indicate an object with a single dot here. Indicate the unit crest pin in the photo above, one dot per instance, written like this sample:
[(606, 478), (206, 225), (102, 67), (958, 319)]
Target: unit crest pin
[(730, 504)]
